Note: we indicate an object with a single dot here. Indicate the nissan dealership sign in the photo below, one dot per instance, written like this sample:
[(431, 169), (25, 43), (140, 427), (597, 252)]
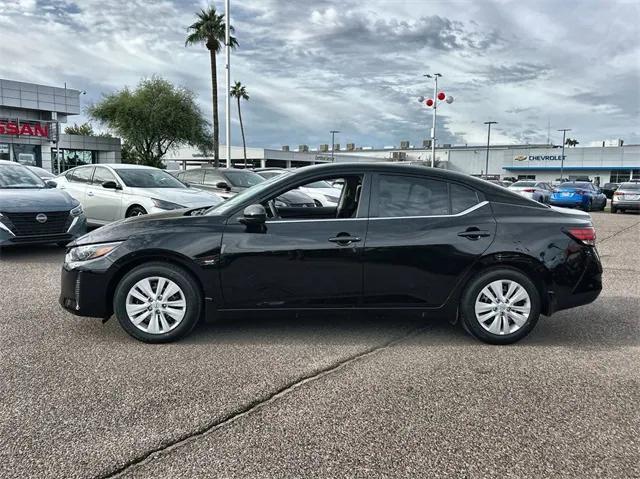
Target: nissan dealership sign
[(540, 157), (15, 128)]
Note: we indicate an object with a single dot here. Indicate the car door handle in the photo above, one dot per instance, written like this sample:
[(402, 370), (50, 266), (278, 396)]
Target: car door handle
[(474, 233), (345, 240)]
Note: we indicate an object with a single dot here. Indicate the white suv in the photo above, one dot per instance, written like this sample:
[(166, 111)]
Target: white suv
[(115, 191)]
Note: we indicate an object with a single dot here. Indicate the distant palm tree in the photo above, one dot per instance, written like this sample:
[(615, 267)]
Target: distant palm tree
[(239, 91), (571, 142), (210, 30)]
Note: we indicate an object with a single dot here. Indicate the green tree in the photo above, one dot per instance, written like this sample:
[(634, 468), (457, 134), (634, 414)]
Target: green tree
[(85, 129), (209, 29), (239, 91), (152, 119)]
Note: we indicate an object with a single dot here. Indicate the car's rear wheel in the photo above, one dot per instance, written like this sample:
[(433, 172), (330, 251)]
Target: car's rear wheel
[(136, 210), (500, 306), (157, 303), (589, 205)]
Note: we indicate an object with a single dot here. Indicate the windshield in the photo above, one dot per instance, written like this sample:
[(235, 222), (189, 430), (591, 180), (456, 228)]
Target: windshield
[(148, 178), (573, 186), (232, 203), (269, 174), (319, 184), (243, 179), (630, 186), (17, 176)]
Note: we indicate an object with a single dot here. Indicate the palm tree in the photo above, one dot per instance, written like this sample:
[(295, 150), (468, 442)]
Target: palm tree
[(209, 29), (239, 91)]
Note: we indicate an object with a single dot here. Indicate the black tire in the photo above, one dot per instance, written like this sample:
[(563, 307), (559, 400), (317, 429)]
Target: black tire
[(135, 210), (589, 206), (613, 209), (467, 305), (189, 287), (604, 205)]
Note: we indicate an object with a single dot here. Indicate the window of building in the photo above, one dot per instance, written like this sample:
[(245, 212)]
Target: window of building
[(526, 177), (4, 151), (462, 198), (620, 176), (72, 158), (397, 195)]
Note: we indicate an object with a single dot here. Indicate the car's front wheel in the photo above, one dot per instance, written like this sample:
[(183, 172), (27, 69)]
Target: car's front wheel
[(157, 303), (500, 306), (135, 210)]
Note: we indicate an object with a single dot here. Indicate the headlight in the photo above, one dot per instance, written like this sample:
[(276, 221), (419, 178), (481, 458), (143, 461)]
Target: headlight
[(77, 211), (166, 205), (80, 254)]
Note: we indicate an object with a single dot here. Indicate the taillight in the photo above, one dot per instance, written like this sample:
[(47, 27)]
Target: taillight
[(529, 190), (585, 235), (618, 193)]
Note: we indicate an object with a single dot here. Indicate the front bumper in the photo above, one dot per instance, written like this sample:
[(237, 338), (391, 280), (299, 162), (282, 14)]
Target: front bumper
[(85, 292), (77, 229)]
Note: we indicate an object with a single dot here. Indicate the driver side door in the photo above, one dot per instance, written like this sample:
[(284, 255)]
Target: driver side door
[(311, 259)]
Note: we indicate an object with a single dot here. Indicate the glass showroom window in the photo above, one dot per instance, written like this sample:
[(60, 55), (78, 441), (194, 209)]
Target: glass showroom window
[(72, 158)]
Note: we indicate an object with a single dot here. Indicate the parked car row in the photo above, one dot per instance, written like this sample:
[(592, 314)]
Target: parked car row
[(569, 194)]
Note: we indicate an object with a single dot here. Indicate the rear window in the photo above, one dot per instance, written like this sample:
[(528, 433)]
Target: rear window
[(630, 186), (524, 183), (575, 186)]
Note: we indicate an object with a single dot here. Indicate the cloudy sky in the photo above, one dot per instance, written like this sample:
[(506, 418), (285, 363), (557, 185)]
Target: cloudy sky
[(356, 66)]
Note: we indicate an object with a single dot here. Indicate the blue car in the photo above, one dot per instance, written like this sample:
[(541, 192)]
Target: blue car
[(32, 211), (579, 194)]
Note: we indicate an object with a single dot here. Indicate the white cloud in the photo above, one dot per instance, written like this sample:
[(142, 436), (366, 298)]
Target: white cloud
[(314, 65)]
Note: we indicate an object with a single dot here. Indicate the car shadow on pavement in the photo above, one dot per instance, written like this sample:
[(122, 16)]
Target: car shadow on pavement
[(610, 322)]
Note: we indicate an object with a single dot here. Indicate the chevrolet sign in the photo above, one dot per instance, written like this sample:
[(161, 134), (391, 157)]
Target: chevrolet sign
[(540, 157)]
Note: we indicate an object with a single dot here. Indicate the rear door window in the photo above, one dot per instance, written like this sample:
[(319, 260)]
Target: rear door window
[(401, 196), (462, 198)]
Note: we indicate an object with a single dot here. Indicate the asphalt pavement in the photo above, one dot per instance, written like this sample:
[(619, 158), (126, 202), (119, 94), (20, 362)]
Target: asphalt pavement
[(323, 395)]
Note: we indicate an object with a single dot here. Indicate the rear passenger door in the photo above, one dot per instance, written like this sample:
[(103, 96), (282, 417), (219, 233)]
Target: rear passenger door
[(423, 236), (77, 181)]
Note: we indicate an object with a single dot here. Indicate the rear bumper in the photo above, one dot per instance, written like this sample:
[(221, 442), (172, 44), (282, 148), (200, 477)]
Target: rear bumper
[(579, 282), (572, 203), (626, 205)]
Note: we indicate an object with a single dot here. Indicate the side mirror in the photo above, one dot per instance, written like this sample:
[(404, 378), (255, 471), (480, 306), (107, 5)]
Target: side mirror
[(50, 184), (223, 186), (254, 215), (110, 185)]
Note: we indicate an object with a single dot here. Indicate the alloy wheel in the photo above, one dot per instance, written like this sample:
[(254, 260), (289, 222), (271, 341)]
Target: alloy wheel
[(503, 307), (156, 305)]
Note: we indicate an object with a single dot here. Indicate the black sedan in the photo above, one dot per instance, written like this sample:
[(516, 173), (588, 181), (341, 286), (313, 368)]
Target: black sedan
[(32, 211), (401, 237)]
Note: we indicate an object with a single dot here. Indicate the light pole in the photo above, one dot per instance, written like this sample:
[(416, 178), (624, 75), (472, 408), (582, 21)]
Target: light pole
[(227, 67), (333, 142), (486, 164), (435, 113), (564, 134)]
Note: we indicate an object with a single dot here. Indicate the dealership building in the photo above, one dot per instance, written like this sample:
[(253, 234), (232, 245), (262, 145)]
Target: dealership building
[(31, 119), (608, 162)]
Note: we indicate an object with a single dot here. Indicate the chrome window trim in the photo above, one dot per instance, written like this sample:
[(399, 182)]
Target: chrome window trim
[(462, 213)]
